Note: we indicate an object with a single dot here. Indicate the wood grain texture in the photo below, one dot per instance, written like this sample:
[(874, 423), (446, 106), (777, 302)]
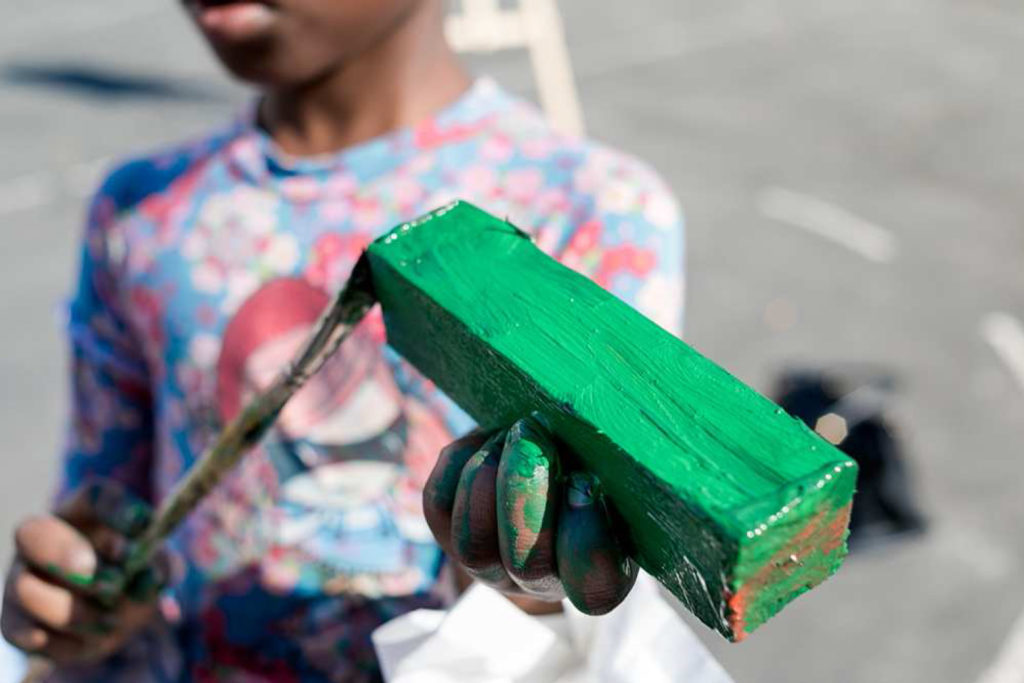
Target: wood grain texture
[(732, 504)]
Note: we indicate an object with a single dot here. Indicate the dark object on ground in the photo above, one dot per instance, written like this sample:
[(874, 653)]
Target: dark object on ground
[(105, 83), (846, 405)]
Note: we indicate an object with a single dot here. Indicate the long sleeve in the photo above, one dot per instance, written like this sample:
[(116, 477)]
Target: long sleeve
[(110, 431)]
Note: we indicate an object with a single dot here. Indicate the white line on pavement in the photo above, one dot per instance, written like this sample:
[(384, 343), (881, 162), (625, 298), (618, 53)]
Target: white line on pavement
[(1005, 334), (828, 221), (39, 189), (1009, 664), (27, 192)]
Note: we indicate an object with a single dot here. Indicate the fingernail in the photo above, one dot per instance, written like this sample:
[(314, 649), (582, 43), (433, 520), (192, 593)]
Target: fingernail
[(533, 446), (80, 565), (530, 429), (581, 490)]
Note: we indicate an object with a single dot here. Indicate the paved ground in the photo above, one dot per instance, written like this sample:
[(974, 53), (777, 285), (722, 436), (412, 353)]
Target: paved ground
[(850, 172)]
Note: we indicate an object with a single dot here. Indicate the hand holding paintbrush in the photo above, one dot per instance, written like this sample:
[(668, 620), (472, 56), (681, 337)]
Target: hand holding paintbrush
[(61, 603), (65, 596)]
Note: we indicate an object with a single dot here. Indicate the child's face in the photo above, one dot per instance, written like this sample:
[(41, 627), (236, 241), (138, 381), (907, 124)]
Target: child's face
[(282, 43)]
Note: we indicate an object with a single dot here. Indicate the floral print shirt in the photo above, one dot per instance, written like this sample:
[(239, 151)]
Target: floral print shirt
[(203, 269)]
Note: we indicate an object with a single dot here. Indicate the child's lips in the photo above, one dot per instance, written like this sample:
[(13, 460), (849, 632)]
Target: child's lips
[(233, 20)]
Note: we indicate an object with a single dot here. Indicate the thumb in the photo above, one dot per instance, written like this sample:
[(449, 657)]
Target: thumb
[(53, 546)]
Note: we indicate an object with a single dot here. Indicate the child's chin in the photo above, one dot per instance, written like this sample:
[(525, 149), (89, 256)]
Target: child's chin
[(258, 62), (270, 60)]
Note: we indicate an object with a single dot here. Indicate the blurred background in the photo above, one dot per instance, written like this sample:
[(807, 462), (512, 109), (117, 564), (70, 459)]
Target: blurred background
[(851, 176)]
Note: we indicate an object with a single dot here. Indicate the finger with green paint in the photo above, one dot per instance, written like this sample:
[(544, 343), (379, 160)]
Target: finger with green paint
[(527, 498), (474, 543), (64, 597), (594, 568), (439, 491)]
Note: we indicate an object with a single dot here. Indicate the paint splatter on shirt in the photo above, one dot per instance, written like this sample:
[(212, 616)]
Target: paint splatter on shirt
[(204, 268)]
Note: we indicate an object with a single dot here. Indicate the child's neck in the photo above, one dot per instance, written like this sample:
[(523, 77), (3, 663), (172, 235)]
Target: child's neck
[(399, 82)]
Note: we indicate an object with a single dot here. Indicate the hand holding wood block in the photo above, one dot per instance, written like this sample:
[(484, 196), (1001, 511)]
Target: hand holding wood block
[(732, 504), (501, 504)]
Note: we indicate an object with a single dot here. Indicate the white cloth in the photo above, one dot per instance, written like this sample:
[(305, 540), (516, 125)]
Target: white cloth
[(484, 638), (13, 664)]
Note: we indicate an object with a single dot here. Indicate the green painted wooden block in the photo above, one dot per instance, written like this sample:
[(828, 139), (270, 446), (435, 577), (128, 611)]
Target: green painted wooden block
[(731, 503)]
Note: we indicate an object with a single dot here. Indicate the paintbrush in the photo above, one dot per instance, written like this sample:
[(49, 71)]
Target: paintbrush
[(349, 307), (238, 437)]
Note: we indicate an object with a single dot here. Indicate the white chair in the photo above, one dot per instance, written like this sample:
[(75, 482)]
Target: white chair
[(536, 25)]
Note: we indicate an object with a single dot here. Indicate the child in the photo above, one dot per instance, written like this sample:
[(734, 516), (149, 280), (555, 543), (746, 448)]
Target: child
[(204, 267)]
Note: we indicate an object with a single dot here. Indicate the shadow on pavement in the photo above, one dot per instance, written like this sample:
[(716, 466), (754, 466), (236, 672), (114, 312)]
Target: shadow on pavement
[(101, 82)]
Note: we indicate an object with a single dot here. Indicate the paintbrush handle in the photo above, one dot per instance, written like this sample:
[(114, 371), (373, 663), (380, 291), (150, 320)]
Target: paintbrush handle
[(256, 418), (232, 444)]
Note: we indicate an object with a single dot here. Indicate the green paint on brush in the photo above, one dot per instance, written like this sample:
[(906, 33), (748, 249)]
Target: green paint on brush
[(118, 509), (144, 586), (109, 585), (716, 484)]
